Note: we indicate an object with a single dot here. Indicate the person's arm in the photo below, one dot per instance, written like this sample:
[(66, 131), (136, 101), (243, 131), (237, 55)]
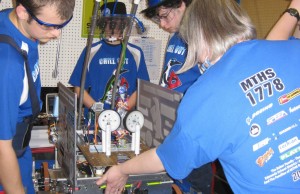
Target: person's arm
[(116, 176), (10, 176), (132, 101), (88, 101), (297, 31), (286, 25)]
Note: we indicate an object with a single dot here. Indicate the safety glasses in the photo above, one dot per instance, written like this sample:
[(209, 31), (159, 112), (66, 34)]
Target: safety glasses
[(48, 26)]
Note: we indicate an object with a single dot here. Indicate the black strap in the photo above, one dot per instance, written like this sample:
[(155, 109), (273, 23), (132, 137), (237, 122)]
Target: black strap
[(35, 105)]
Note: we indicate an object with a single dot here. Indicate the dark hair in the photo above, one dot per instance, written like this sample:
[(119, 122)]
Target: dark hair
[(150, 12), (65, 8), (114, 8)]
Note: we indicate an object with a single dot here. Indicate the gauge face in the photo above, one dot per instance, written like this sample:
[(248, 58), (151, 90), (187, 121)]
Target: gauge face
[(132, 119), (109, 117)]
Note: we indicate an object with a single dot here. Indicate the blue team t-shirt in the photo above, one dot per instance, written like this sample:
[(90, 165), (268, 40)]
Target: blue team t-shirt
[(175, 57), (14, 97), (102, 67), (244, 111)]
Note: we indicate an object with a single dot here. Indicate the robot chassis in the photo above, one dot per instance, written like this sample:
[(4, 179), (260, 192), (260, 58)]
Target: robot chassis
[(80, 162)]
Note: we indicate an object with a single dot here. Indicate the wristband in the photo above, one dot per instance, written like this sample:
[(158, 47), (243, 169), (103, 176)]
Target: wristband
[(293, 12)]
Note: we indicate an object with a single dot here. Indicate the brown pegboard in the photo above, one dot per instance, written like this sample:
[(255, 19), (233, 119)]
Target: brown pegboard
[(264, 13)]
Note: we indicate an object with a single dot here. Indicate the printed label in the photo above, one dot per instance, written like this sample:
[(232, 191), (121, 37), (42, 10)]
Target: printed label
[(261, 144), (288, 144), (290, 96), (265, 158), (276, 117), (284, 169), (261, 85)]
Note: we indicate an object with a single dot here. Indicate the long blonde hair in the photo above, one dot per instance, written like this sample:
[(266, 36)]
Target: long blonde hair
[(212, 27)]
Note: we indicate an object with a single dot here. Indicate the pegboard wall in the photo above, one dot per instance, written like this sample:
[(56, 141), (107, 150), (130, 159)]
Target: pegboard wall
[(72, 45), (264, 14)]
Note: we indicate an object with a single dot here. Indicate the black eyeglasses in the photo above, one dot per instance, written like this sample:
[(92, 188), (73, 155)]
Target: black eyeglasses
[(48, 26), (167, 17)]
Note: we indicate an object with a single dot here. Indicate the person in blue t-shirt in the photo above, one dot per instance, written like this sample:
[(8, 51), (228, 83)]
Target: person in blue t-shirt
[(29, 23), (253, 88), (105, 56), (168, 15)]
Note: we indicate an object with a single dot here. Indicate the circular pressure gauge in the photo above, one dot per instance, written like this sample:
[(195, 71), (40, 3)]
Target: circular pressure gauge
[(132, 119), (109, 117)]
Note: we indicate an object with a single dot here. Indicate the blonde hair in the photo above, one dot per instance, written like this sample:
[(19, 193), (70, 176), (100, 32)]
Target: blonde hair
[(211, 27)]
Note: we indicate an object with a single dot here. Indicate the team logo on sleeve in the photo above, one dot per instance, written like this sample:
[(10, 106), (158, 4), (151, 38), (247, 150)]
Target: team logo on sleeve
[(169, 78), (174, 81)]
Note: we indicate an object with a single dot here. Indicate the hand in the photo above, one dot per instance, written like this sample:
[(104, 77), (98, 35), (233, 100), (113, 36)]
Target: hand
[(115, 180), (97, 107)]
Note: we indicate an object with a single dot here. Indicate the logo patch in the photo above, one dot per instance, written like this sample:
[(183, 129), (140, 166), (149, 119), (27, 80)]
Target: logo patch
[(290, 96), (276, 117), (288, 144), (261, 144), (265, 158), (255, 130)]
